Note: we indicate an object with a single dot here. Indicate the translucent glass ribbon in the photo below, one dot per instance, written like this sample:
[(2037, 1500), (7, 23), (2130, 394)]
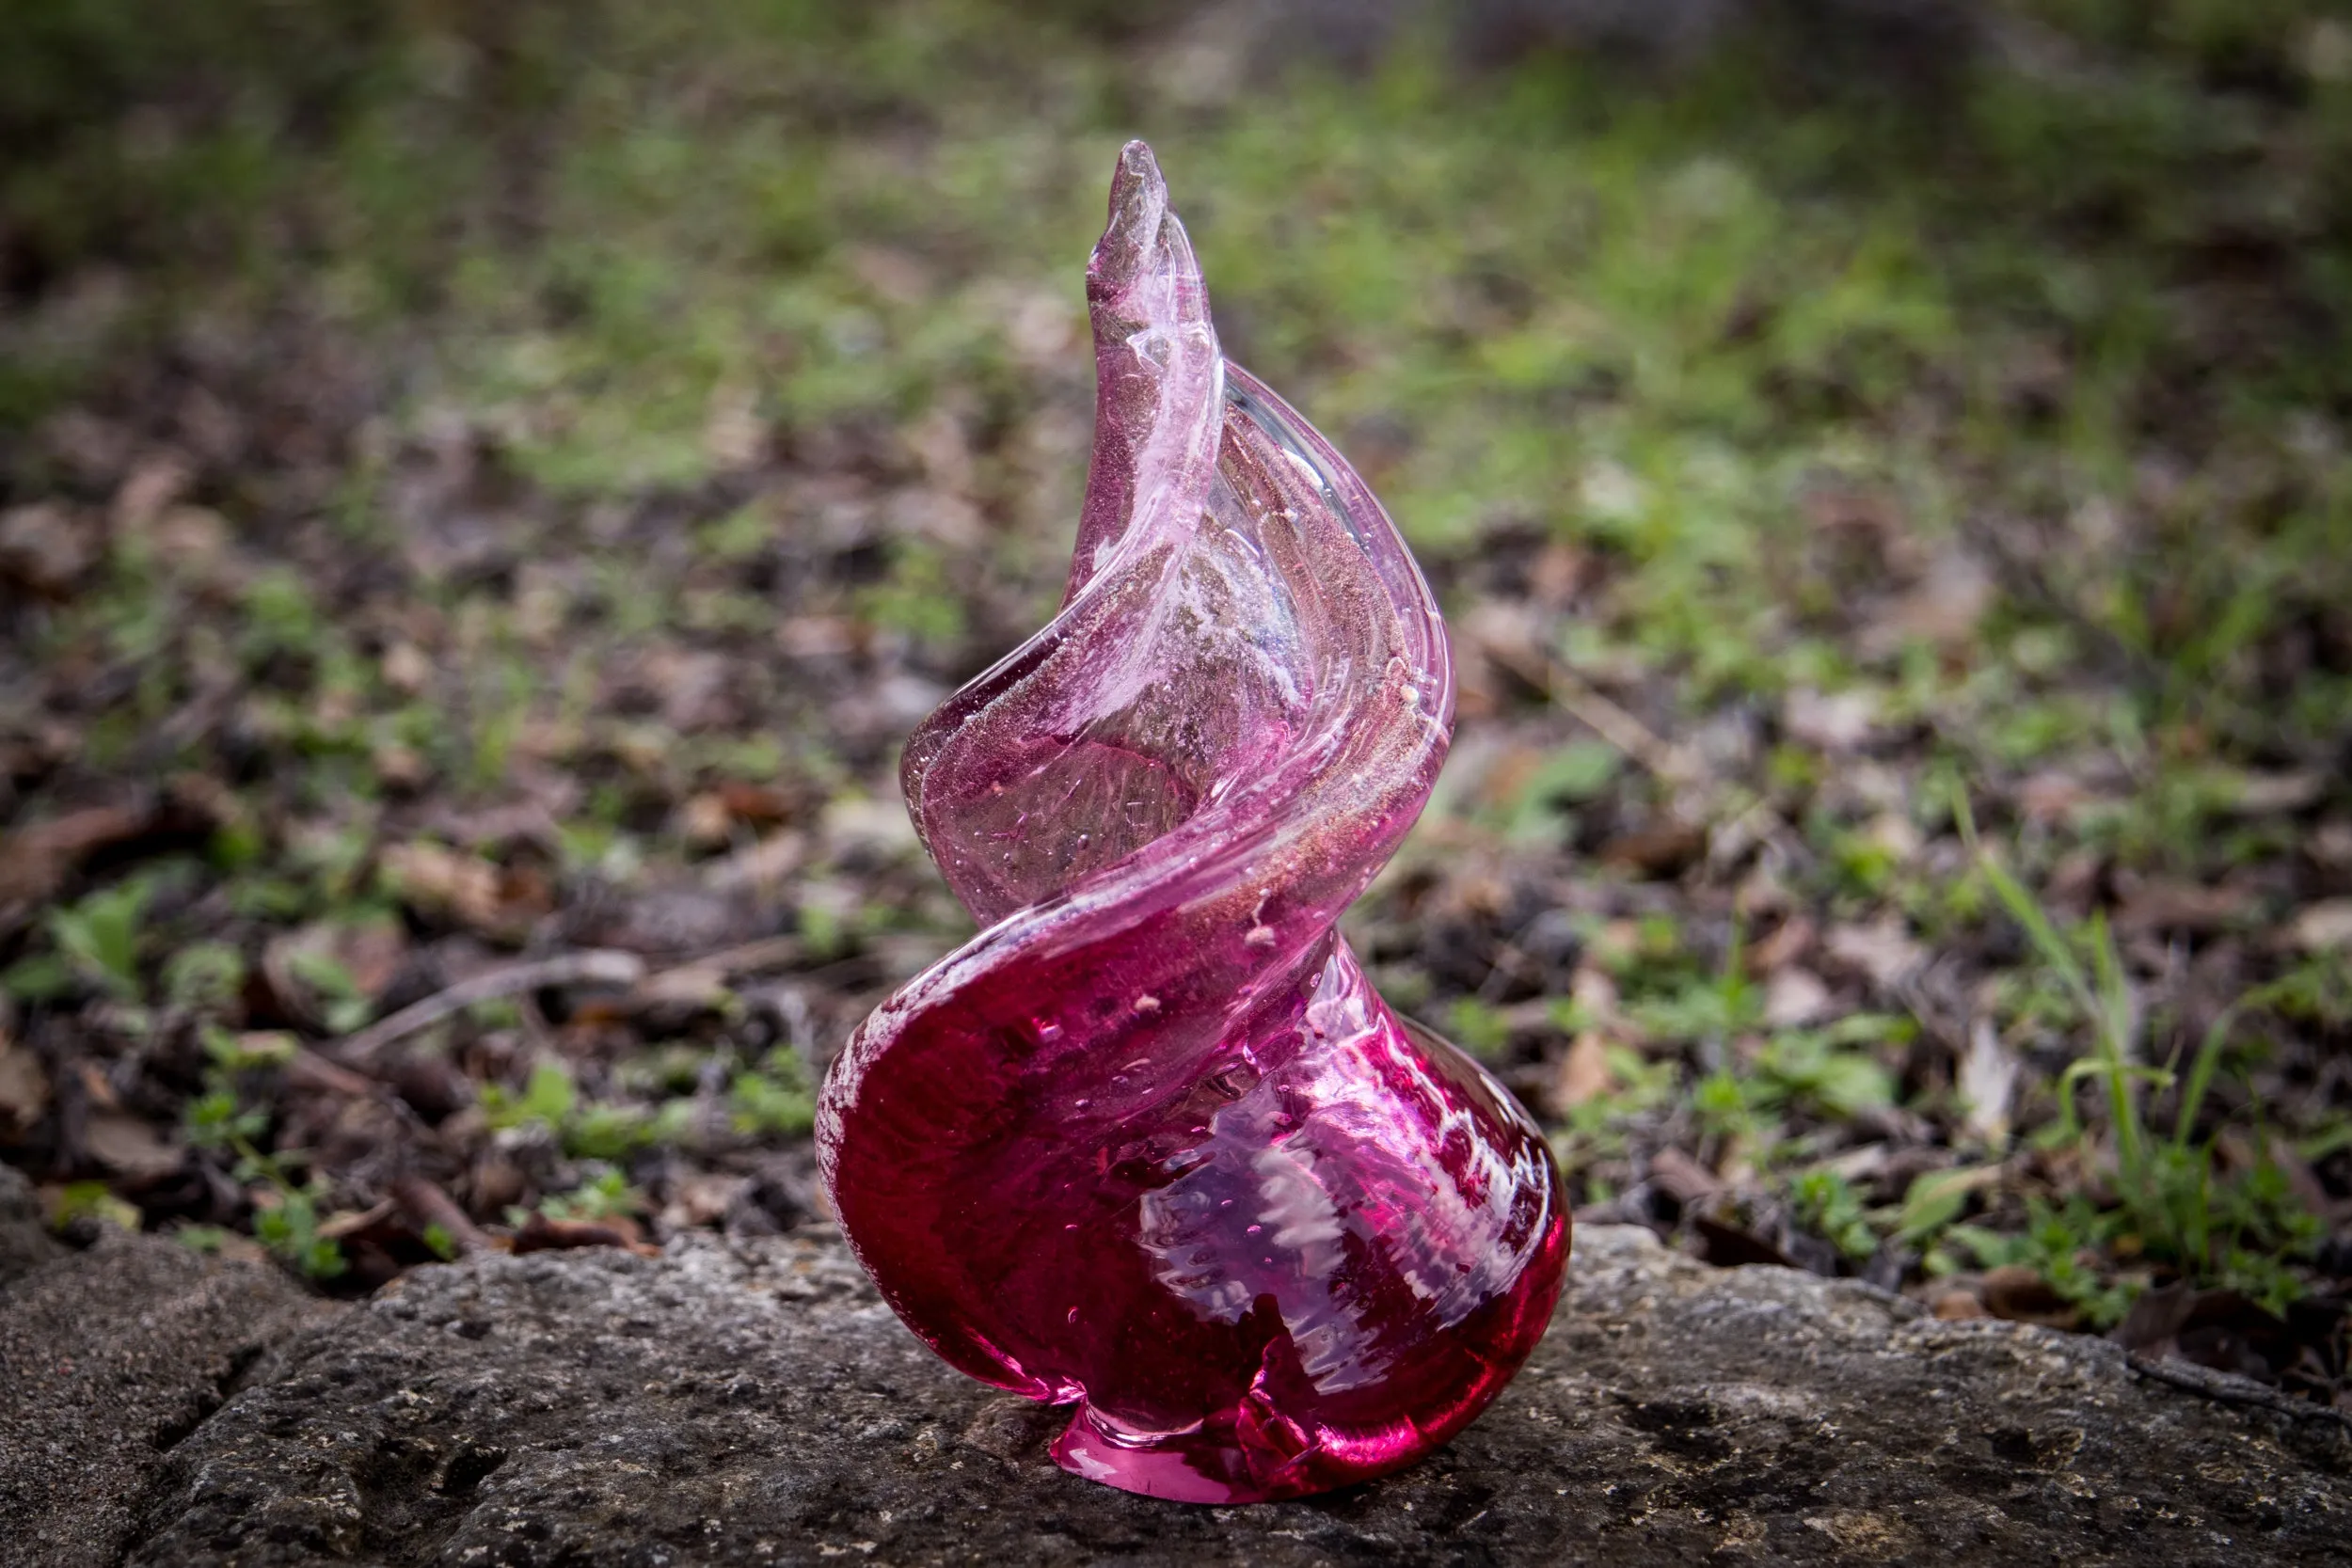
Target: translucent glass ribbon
[(1151, 1144)]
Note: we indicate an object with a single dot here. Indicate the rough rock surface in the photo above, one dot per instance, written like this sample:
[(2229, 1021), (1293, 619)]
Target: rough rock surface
[(758, 1403), (108, 1358)]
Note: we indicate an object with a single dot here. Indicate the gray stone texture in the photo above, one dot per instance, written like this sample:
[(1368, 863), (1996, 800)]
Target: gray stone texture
[(754, 1402), (108, 1358)]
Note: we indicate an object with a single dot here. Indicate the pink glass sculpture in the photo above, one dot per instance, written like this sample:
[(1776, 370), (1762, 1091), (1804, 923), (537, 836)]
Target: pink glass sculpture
[(1151, 1144)]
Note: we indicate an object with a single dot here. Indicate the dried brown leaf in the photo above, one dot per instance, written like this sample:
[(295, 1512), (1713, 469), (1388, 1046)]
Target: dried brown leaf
[(2322, 927), (1582, 1073), (128, 1144), (24, 1089), (1882, 952), (46, 549)]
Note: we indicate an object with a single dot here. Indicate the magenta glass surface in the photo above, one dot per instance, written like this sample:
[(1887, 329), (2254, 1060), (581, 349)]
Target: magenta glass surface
[(1150, 1146)]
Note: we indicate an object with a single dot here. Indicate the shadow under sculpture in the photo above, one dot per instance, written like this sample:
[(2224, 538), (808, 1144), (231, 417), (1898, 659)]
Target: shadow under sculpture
[(1151, 1144)]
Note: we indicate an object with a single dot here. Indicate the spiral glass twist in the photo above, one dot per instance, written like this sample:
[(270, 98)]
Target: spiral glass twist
[(1151, 1144)]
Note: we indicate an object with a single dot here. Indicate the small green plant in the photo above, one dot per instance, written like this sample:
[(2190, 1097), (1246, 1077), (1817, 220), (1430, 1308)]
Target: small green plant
[(1934, 1200), (290, 1228), (92, 1200), (773, 1099), (822, 930), (220, 1120), (1684, 1003), (345, 1005), (600, 1129), (1823, 1070), (1595, 1129), (547, 1098), (605, 1195), (587, 1130), (2173, 1208), (914, 599), (1545, 804), (1728, 1107), (98, 936), (279, 615), (2059, 1244), (1827, 1205), (203, 975), (1478, 1028)]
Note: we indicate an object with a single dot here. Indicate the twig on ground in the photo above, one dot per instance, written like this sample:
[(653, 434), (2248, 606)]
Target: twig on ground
[(307, 1069), (1601, 713), (427, 1206), (596, 967), (750, 957), (1744, 818)]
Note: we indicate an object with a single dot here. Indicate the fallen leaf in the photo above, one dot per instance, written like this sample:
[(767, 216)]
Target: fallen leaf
[(705, 821), (1837, 721), (400, 768), (1895, 833), (495, 900), (1988, 1083), (350, 1221), (2019, 1294), (874, 824), (1860, 510), (1582, 1073), (1944, 608), (692, 986), (2221, 1329), (45, 548), (541, 1234), (760, 805), (2275, 793), (128, 1145), (702, 1198), (2074, 881), (1794, 997), (761, 866), (1594, 989), (1660, 849), (35, 861), (96, 1085), (1792, 940), (2053, 797), (405, 667), (192, 541), (1884, 952), (817, 635), (156, 482), (24, 1089), (1682, 1177), (2166, 905), (2322, 927), (734, 434)]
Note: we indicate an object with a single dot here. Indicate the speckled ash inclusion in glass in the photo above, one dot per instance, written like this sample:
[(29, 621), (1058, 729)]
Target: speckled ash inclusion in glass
[(1150, 1146)]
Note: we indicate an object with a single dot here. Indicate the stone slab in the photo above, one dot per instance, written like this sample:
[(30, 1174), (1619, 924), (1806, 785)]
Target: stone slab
[(754, 1402)]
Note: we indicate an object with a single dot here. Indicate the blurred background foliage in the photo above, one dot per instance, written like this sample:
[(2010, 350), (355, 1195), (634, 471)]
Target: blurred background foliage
[(483, 479)]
